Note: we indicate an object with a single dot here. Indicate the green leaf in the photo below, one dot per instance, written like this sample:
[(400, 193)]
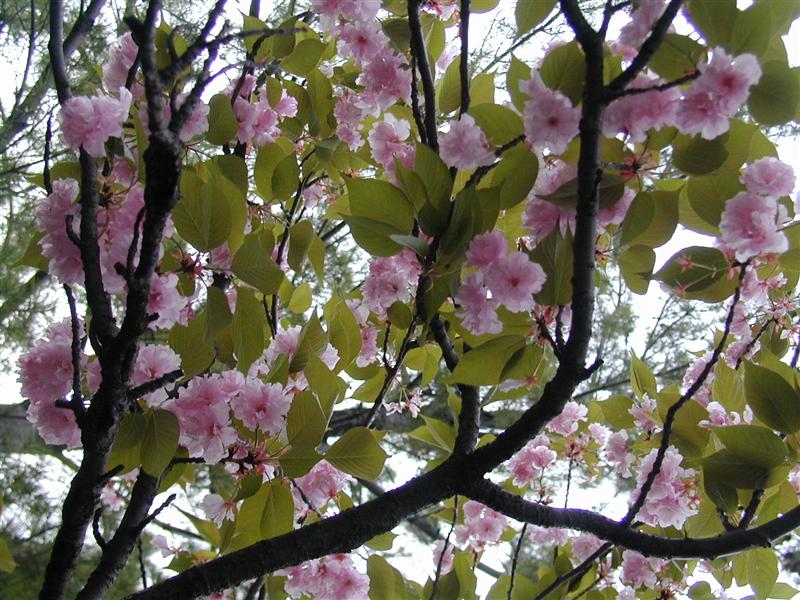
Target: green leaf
[(753, 444), (715, 20), (651, 219), (515, 174), (762, 571), (424, 360), (698, 156), (301, 235), (698, 273), (400, 315), (436, 433), (730, 470), (312, 341), (752, 30), (306, 421), (636, 266), (677, 56), (222, 123), (343, 330), (708, 195), (771, 397), (642, 379), (300, 301), (448, 90), (267, 160), (7, 562), (518, 71), (218, 313), (484, 364), (299, 460), (357, 453), (776, 97), (201, 217), (278, 515), (523, 587), (248, 328), (554, 255), (500, 124), (481, 89), (305, 56), (160, 441), (529, 13), (189, 341), (33, 257), (380, 201), (611, 188), (254, 265), (125, 450), (563, 69)]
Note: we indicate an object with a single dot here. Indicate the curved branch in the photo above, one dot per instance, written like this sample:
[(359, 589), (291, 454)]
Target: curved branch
[(622, 535)]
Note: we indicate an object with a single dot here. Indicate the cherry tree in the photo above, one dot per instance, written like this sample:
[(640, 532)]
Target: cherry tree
[(189, 225)]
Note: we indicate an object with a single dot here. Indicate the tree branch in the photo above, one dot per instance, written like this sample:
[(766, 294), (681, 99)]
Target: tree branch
[(421, 57)]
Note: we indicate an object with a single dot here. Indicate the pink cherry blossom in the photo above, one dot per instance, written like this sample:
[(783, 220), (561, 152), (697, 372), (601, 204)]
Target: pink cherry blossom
[(541, 217), (386, 140), (528, 464), (478, 313), (548, 536), (717, 94), (443, 563), (258, 121), (369, 347), (636, 30), (362, 41), (120, 60), (390, 280), (639, 570), (769, 176), (748, 225), (204, 416), (152, 362), (567, 422), (329, 578), (513, 280), (637, 114), (465, 145), (218, 509), (486, 248), (319, 486), (165, 301), (584, 545), (482, 526), (386, 79), (669, 502), (550, 119), (644, 414), (90, 122), (262, 406), (692, 375), (617, 453), (51, 217)]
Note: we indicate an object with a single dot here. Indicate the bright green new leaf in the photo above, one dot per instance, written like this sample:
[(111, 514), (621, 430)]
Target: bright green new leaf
[(357, 453), (305, 56), (380, 201), (708, 195), (299, 460), (160, 441), (698, 156), (301, 235), (677, 56), (301, 299), (343, 330), (563, 69), (762, 571), (201, 217), (515, 174), (715, 20), (436, 433), (278, 515), (698, 273), (306, 421), (484, 364), (642, 379), (529, 13)]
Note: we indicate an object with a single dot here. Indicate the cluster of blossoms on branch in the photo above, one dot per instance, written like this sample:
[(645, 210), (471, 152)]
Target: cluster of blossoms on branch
[(476, 242)]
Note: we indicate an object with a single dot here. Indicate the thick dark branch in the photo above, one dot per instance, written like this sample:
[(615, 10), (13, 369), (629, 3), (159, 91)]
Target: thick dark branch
[(117, 550), (56, 48), (82, 26), (76, 402), (648, 49), (620, 534), (463, 65), (421, 57)]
